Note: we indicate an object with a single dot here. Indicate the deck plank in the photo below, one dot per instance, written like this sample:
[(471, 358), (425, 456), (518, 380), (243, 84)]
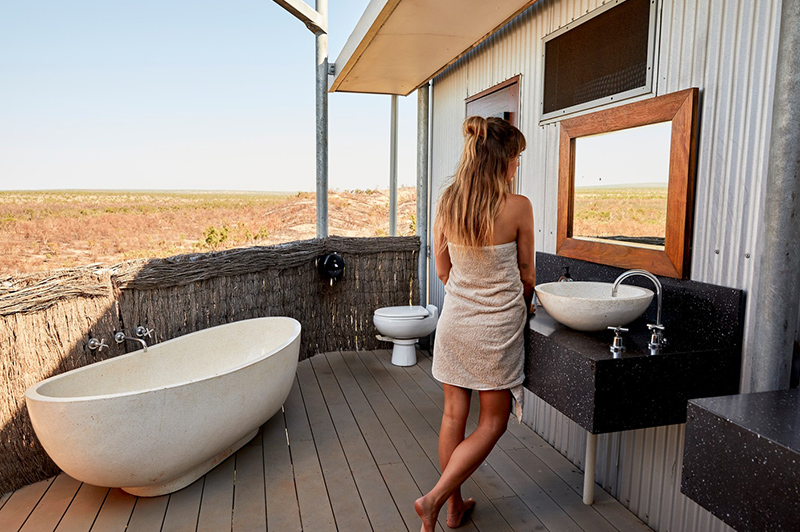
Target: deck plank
[(53, 505), (505, 470), (348, 508), (416, 460), (282, 511), (535, 497), (611, 509), (396, 476), (429, 400), (249, 503), (115, 512), (585, 516), (355, 433), (378, 503), (422, 469), (316, 513), (379, 443), (493, 476), (522, 437), (517, 514), (81, 514), (184, 508), (4, 497), (21, 503), (428, 439), (403, 489), (216, 505), (148, 514)]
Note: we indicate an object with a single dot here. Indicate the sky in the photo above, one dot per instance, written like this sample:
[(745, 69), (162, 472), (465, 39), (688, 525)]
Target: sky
[(184, 95), (607, 159)]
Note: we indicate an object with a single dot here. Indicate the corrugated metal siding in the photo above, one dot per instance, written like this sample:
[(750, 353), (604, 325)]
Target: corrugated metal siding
[(727, 49)]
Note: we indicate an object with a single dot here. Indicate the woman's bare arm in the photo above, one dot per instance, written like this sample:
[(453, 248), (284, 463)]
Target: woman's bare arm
[(525, 245), (441, 256)]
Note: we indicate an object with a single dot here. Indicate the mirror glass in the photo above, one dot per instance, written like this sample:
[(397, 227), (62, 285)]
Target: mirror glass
[(621, 184)]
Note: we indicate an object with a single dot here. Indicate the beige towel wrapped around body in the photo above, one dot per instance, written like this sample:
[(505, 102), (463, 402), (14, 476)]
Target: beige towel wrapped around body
[(479, 337)]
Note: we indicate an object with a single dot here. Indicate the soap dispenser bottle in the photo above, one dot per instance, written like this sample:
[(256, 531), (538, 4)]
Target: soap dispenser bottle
[(565, 278)]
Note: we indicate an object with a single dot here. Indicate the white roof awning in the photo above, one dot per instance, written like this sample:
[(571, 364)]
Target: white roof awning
[(398, 45)]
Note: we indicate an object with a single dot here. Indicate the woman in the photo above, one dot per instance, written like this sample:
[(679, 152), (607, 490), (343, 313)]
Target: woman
[(483, 236)]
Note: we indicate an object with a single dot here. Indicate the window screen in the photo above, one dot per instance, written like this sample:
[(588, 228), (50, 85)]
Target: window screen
[(603, 56)]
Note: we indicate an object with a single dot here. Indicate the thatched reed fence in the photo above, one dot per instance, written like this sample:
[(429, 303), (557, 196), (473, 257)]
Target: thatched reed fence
[(47, 319)]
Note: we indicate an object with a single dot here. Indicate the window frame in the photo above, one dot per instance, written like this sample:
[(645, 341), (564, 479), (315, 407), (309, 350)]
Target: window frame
[(648, 88)]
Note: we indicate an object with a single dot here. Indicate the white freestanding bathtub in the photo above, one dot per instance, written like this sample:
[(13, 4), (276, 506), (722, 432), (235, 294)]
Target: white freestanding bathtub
[(154, 422)]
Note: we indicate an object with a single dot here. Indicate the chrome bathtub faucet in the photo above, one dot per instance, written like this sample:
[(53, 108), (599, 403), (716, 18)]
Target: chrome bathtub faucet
[(142, 331), (120, 338), (657, 340), (96, 345)]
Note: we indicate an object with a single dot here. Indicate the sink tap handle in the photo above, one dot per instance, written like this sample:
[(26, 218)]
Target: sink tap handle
[(95, 344), (656, 333), (657, 340), (617, 346), (141, 332)]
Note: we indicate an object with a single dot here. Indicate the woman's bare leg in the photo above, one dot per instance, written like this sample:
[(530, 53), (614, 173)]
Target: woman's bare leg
[(454, 425), (467, 456)]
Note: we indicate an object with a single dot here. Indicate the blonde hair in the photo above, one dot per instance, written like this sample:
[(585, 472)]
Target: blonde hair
[(467, 208)]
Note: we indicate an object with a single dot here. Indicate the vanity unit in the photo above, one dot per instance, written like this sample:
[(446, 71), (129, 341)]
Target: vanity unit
[(577, 373), (741, 459)]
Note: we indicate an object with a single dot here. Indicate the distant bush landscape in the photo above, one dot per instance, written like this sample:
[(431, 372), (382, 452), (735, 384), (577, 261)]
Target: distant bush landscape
[(45, 230), (612, 211)]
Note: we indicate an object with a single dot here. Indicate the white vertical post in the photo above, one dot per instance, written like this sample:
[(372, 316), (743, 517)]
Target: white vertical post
[(393, 170), (589, 467)]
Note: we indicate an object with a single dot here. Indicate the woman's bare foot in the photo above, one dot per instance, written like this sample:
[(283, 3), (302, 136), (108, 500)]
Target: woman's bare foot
[(457, 516), (427, 512)]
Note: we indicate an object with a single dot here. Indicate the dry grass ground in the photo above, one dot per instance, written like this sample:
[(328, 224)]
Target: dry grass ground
[(45, 230)]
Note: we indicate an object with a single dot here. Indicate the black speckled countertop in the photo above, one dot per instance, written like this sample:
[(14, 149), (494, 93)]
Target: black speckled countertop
[(742, 459), (576, 373)]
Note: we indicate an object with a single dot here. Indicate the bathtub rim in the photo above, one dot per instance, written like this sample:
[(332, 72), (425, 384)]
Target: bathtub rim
[(32, 392)]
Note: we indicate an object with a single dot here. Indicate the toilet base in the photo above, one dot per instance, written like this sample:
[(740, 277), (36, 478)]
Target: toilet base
[(404, 352)]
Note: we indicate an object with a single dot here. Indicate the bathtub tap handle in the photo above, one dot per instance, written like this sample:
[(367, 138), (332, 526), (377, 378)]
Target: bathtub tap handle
[(141, 332), (95, 344)]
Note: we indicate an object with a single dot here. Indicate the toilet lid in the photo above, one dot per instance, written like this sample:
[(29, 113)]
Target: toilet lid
[(404, 312)]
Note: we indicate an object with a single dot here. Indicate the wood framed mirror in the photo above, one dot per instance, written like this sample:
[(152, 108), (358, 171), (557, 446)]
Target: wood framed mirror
[(629, 204)]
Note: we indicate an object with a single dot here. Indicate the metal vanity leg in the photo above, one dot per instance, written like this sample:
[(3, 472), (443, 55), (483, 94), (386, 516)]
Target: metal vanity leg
[(588, 470)]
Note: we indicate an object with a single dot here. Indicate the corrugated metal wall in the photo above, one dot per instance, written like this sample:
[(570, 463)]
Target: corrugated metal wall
[(728, 50)]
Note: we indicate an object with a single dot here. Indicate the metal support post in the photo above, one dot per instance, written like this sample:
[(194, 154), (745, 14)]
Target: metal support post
[(778, 285), (393, 170), (588, 470), (322, 124), (422, 190)]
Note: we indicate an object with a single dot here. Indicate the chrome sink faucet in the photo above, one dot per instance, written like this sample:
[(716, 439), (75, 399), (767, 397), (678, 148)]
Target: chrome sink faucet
[(657, 339)]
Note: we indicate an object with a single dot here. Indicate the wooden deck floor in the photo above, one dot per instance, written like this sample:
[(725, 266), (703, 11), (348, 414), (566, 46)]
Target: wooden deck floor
[(355, 445)]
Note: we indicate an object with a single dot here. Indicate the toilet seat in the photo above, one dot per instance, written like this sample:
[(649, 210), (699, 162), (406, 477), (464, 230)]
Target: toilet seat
[(403, 313)]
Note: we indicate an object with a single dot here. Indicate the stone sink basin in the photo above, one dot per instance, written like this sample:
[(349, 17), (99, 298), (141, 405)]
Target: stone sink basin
[(588, 306)]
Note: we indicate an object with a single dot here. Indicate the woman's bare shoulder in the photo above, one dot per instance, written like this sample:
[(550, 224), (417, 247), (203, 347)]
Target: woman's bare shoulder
[(519, 204)]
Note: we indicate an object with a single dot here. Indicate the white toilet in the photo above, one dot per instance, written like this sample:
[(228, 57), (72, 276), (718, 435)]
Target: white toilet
[(404, 326)]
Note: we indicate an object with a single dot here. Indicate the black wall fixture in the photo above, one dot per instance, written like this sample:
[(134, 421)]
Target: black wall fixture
[(330, 266)]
